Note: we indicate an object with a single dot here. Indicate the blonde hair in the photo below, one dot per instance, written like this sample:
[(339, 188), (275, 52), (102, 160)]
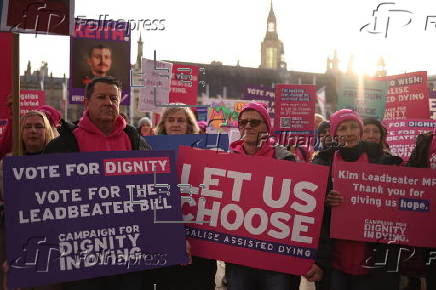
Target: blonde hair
[(49, 135), (190, 118)]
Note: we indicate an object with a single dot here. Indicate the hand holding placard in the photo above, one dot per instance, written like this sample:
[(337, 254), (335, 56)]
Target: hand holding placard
[(334, 198)]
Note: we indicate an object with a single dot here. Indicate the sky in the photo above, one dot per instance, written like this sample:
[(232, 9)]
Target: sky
[(229, 31)]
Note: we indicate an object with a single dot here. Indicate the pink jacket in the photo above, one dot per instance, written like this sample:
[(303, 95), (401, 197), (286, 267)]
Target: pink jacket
[(266, 150), (91, 139)]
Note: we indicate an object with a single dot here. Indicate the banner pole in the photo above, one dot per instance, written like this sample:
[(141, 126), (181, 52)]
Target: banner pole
[(16, 137)]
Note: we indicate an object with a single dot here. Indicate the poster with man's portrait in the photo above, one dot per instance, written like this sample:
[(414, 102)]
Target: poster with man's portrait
[(99, 49)]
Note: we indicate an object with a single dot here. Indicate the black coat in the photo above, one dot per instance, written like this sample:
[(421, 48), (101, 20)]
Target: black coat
[(67, 143), (419, 157), (374, 151)]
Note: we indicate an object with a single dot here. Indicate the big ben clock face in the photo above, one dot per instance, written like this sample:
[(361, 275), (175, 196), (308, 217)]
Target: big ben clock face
[(271, 26)]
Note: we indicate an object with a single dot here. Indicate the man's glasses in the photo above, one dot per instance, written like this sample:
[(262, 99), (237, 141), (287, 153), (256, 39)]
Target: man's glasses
[(253, 123)]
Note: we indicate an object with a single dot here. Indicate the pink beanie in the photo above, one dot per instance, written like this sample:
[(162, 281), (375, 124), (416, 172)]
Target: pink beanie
[(261, 108), (343, 115), (202, 125), (52, 114)]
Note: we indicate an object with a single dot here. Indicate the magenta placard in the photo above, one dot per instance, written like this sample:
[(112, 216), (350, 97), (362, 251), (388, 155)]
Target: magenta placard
[(295, 108), (402, 135), (407, 96), (31, 100), (184, 84), (386, 204), (260, 212)]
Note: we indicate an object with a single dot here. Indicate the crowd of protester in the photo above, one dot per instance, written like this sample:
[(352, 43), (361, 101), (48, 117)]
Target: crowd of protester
[(343, 137)]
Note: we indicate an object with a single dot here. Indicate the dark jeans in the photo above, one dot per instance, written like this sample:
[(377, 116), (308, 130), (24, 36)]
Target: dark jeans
[(128, 281), (246, 278), (200, 275), (430, 276), (375, 280), (325, 282), (343, 281)]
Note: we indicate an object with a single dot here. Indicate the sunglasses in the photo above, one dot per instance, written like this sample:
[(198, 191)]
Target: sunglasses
[(253, 123)]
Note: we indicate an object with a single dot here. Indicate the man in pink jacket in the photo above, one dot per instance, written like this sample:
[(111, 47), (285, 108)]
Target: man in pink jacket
[(101, 129)]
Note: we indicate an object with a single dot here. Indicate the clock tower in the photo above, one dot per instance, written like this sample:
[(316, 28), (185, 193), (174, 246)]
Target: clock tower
[(272, 51)]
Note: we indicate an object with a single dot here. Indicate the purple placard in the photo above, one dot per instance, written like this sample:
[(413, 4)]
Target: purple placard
[(102, 202), (99, 48), (261, 94)]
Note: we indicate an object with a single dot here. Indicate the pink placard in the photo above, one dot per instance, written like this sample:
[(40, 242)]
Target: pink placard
[(407, 96), (6, 75), (295, 108), (386, 204), (260, 212), (402, 135), (31, 100), (184, 84)]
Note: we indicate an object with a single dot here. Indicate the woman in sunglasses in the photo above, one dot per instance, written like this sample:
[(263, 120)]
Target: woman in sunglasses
[(255, 128)]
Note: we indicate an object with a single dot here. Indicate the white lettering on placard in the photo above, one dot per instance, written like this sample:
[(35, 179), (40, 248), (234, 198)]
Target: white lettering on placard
[(36, 172)]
